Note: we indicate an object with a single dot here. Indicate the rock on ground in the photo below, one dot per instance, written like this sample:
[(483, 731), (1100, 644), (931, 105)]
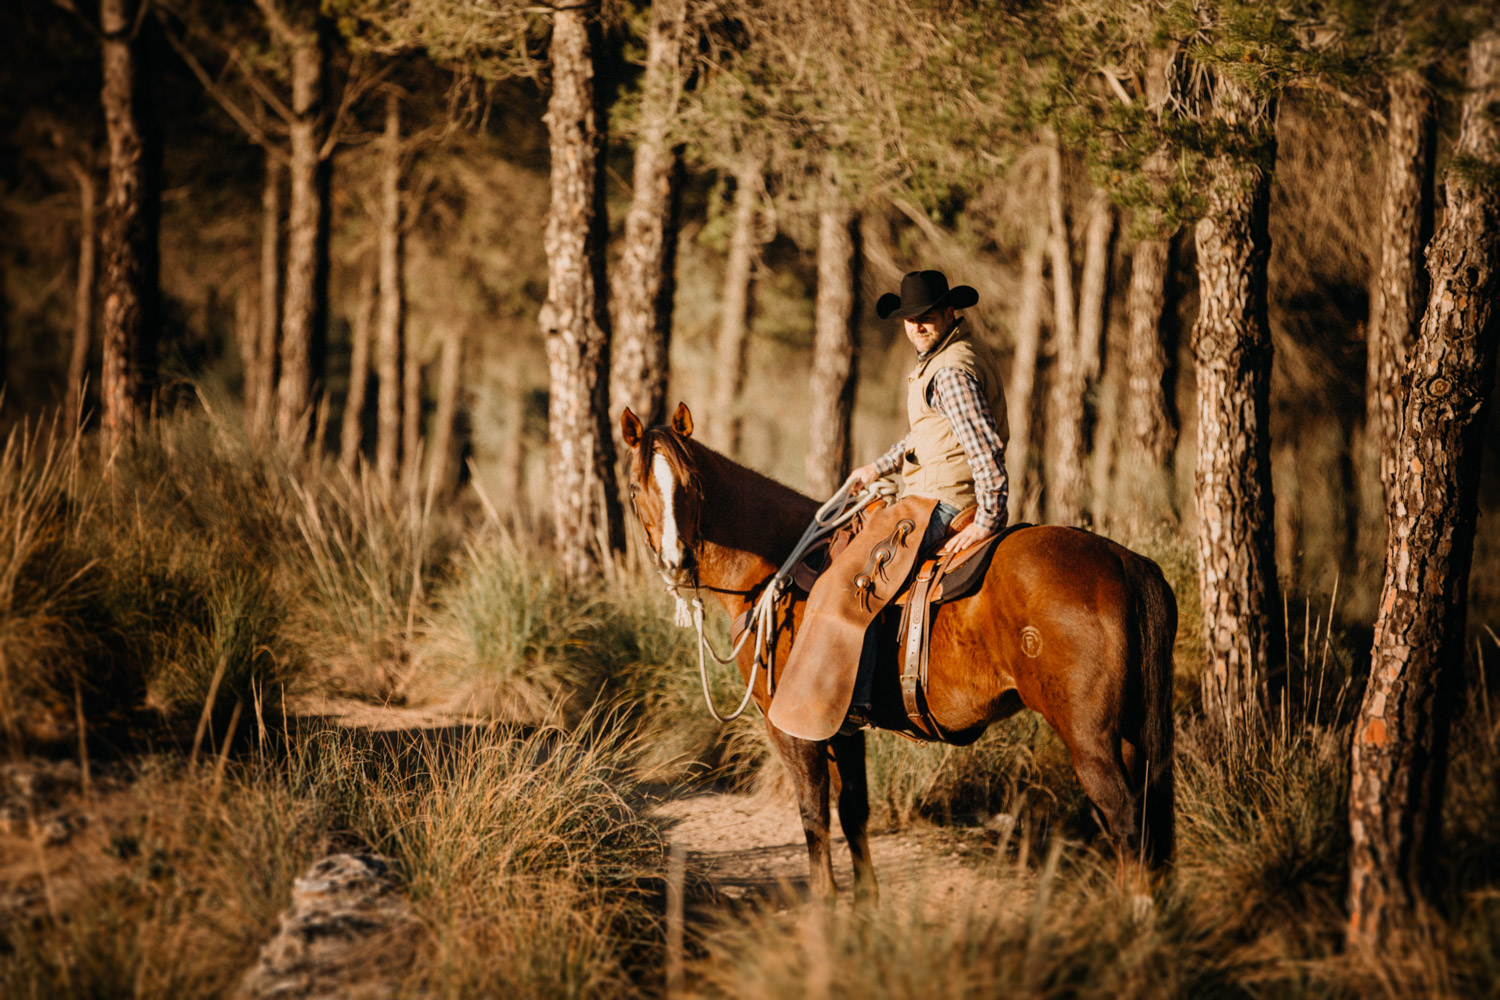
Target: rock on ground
[(349, 932)]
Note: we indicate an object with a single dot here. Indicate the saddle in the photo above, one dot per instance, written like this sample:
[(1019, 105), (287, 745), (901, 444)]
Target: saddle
[(943, 578)]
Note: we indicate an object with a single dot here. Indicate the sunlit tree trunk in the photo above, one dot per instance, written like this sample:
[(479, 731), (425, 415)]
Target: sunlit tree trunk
[(305, 304), (1401, 284), (835, 345), (1232, 359), (1401, 738), (362, 331), (1153, 426), (411, 411), (1064, 449), (128, 241), (441, 458), (260, 386), (391, 336), (83, 295), (1093, 302), (647, 266), (729, 353), (1020, 393), (586, 509)]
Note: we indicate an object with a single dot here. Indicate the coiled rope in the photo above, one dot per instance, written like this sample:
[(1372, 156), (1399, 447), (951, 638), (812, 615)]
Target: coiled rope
[(841, 508)]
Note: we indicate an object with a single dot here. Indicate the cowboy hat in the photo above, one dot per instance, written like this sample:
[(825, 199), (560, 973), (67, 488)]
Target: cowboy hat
[(921, 292)]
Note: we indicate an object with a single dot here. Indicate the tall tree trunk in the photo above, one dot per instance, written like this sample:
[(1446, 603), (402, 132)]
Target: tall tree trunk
[(835, 344), (1064, 449), (391, 338), (1093, 319), (1400, 291), (83, 296), (1153, 425), (1401, 739), (246, 330), (1020, 393), (352, 428), (128, 239), (586, 508), (304, 308), (261, 384), (442, 477), (648, 262), (1151, 421), (1093, 295), (729, 353), (1232, 358), (411, 412)]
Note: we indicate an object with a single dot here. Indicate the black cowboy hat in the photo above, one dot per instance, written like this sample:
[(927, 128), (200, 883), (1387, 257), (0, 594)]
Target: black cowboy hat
[(924, 291)]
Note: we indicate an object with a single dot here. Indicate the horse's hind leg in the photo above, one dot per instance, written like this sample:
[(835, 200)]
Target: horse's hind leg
[(807, 763), (848, 753), (1105, 778)]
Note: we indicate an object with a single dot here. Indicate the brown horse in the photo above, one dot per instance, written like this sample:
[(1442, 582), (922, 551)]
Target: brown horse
[(1067, 624)]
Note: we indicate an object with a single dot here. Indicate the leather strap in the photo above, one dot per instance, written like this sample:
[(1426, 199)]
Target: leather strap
[(916, 631)]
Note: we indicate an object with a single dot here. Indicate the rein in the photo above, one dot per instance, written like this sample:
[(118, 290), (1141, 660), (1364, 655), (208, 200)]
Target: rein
[(840, 508)]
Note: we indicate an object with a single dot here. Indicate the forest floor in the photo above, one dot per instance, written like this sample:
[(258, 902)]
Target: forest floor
[(745, 852)]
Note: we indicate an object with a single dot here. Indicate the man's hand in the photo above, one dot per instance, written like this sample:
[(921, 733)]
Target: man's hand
[(861, 477), (973, 534)]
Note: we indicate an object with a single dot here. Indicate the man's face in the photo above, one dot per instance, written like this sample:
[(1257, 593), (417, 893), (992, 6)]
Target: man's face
[(926, 330)]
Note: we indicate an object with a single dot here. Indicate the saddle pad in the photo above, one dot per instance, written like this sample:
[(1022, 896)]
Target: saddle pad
[(965, 570)]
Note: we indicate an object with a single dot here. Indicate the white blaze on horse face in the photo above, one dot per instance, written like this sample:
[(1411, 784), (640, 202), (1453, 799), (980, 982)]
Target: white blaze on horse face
[(671, 543)]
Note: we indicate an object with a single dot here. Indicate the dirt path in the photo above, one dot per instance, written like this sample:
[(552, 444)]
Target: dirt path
[(750, 849)]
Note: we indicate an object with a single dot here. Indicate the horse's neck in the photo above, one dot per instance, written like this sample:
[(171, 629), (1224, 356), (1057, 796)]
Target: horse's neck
[(750, 524)]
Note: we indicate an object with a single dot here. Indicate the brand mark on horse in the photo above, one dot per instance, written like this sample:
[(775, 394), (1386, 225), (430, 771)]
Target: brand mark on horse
[(671, 545), (1031, 641)]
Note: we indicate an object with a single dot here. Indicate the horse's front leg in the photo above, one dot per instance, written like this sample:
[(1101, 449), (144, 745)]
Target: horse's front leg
[(848, 754), (808, 764)]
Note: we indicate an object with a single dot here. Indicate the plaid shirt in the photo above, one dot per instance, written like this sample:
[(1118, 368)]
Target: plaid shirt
[(956, 395)]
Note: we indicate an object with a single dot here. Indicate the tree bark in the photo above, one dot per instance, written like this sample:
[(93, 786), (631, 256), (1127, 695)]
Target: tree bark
[(128, 240), (391, 338), (261, 383), (411, 411), (83, 296), (1020, 393), (1064, 450), (586, 508), (1093, 320), (1232, 358), (835, 344), (1151, 421), (305, 305), (729, 354), (1400, 741), (352, 428), (1406, 212), (1093, 296), (1153, 424), (442, 477), (648, 262)]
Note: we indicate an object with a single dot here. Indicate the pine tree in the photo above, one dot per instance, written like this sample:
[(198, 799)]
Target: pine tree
[(1401, 737)]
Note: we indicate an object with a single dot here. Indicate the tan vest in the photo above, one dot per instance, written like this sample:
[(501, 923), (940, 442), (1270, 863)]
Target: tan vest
[(935, 464)]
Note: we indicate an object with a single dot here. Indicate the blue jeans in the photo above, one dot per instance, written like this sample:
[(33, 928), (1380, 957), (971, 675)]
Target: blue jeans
[(937, 533)]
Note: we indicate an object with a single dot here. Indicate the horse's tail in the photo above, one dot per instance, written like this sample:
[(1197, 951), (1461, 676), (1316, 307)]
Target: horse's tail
[(1155, 613)]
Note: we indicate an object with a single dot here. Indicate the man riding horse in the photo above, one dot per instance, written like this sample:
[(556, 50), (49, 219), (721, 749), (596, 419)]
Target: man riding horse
[(953, 463)]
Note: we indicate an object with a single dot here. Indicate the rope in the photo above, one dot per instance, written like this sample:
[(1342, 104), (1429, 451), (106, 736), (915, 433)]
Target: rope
[(837, 511)]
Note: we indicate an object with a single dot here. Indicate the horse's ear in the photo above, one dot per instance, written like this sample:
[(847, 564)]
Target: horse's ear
[(682, 421), (630, 428)]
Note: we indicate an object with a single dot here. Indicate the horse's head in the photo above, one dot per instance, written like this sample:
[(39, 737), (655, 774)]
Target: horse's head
[(665, 491)]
